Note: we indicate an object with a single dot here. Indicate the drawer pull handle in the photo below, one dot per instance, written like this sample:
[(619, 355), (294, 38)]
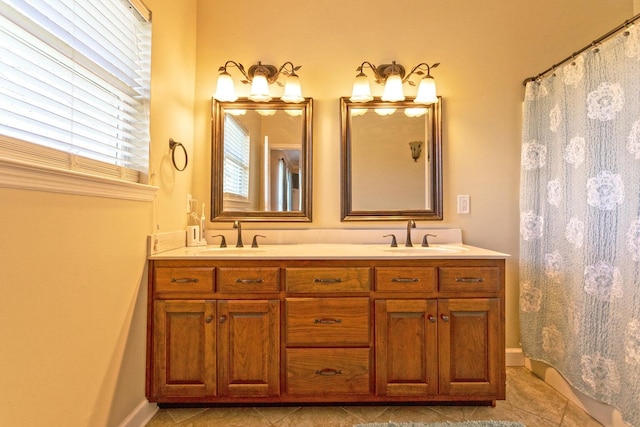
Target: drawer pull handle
[(445, 318), (405, 279), (209, 319), (222, 319), (185, 280), (328, 372), (249, 281), (470, 279), (318, 280), (327, 321), (432, 319)]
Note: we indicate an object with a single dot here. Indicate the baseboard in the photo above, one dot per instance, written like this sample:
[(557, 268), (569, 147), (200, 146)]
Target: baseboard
[(141, 415), (607, 415), (514, 357)]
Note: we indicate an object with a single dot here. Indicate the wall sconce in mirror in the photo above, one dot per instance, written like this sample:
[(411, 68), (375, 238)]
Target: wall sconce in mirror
[(416, 149), (393, 76), (260, 76)]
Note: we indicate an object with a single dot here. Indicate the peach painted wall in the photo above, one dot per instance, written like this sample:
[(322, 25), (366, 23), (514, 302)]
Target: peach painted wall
[(486, 50)]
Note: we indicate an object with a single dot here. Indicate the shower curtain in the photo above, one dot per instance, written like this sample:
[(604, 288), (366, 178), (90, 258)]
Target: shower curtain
[(580, 222)]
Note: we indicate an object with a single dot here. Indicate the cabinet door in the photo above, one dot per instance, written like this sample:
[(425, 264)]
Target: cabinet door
[(471, 348), (406, 352), (249, 348), (184, 349)]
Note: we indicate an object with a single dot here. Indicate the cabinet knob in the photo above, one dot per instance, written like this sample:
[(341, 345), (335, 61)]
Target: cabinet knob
[(223, 319), (209, 319), (432, 319), (445, 318)]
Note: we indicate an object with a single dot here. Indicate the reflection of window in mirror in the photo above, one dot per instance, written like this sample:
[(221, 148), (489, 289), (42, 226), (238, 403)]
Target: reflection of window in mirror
[(236, 163)]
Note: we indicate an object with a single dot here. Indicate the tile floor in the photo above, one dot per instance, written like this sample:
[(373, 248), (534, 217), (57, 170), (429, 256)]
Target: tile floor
[(529, 400)]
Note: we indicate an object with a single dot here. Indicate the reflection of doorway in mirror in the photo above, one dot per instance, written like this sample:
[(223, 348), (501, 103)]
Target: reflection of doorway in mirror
[(282, 177)]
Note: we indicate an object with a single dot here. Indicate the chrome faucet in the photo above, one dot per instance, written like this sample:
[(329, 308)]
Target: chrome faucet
[(238, 225), (410, 224)]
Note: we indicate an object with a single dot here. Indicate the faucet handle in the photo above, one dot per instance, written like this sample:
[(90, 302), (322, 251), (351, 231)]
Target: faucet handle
[(394, 242), (223, 243), (425, 241), (254, 243)]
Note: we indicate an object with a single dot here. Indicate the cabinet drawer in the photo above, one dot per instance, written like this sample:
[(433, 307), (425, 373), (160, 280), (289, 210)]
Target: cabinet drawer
[(180, 279), (328, 371), (469, 279), (327, 279), (265, 279), (327, 322), (406, 279)]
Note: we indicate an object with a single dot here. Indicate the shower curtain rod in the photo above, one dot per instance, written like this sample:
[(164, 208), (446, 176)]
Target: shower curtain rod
[(622, 26)]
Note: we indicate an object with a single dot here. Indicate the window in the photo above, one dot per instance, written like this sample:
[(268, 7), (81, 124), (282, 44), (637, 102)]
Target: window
[(74, 86), (236, 160)]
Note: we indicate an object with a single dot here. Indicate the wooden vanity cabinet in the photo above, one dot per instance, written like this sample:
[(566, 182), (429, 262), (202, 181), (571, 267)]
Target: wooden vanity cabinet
[(328, 333), (184, 335), (315, 331), (450, 348)]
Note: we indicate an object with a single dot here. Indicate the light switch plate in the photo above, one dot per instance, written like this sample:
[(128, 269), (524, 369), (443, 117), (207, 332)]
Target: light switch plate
[(463, 204)]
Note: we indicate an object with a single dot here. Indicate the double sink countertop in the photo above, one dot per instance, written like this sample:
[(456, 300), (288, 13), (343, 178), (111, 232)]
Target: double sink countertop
[(330, 251)]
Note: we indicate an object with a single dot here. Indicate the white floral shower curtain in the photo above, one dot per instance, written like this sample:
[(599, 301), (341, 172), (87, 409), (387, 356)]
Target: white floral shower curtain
[(580, 222)]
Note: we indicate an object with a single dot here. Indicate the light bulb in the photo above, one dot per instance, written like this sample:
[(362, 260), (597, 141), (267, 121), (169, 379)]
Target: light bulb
[(260, 89), (415, 112), (358, 112), (225, 91), (385, 111), (426, 91), (361, 90), (292, 91), (393, 89)]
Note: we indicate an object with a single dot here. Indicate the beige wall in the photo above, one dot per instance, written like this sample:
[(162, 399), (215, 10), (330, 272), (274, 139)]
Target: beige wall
[(72, 268), (485, 48), (72, 325)]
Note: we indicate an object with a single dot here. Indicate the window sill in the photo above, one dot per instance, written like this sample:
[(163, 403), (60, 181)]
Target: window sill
[(27, 176)]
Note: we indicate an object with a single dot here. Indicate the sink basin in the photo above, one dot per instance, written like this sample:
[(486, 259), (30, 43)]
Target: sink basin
[(429, 249), (229, 251)]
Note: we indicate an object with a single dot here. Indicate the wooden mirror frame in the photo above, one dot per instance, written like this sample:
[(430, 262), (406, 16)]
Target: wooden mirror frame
[(348, 213), (217, 160)]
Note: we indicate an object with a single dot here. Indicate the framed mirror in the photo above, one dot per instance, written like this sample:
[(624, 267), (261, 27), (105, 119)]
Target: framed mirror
[(261, 161), (391, 160)]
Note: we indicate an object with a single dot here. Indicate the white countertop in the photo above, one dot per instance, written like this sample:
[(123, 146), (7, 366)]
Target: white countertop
[(330, 251)]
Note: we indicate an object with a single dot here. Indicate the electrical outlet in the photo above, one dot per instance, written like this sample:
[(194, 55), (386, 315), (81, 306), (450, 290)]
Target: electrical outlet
[(463, 204), (189, 198)]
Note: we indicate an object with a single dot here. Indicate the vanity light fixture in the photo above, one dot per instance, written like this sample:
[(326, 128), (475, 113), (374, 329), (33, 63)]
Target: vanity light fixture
[(260, 76), (393, 76)]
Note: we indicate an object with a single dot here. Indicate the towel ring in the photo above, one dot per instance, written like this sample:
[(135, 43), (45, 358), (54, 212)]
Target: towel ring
[(173, 144)]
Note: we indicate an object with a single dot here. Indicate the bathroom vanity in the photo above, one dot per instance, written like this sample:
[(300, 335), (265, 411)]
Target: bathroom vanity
[(322, 323)]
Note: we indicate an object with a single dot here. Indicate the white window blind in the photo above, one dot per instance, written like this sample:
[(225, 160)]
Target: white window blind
[(236, 160), (74, 85)]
